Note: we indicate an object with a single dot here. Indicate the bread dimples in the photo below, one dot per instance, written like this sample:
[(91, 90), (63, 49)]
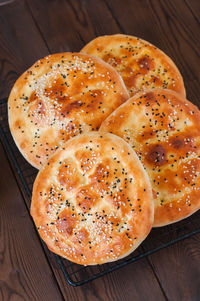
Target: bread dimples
[(141, 64), (92, 202), (59, 97), (164, 130)]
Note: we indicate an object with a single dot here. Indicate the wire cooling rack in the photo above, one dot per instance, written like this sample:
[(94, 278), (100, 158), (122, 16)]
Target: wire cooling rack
[(75, 274)]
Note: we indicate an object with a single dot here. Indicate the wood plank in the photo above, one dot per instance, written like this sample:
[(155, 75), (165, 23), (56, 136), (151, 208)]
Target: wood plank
[(179, 273), (134, 282), (24, 270), (69, 25), (194, 7), (21, 43), (170, 25)]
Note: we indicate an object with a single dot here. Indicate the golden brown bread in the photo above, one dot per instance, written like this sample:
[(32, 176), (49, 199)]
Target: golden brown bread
[(141, 65), (164, 130), (92, 202), (61, 96)]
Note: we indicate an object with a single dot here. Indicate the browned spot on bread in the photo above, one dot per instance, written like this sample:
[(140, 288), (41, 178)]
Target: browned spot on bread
[(183, 143), (82, 236), (66, 222), (155, 80), (18, 124), (87, 159), (188, 170), (130, 81), (102, 176), (56, 90), (32, 97), (167, 180), (68, 176), (86, 198), (70, 130), (23, 144), (145, 64), (177, 143), (111, 59), (128, 69), (40, 107), (70, 107), (37, 111), (96, 98), (150, 96), (154, 194), (146, 135), (156, 155)]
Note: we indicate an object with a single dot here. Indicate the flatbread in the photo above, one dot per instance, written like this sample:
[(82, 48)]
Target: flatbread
[(59, 97), (141, 64), (164, 130), (92, 203)]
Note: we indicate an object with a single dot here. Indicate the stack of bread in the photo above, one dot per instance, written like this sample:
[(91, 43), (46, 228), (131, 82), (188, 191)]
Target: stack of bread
[(116, 143)]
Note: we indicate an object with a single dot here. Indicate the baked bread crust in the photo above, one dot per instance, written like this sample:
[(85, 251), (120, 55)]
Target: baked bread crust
[(61, 96), (141, 64), (164, 130), (92, 202)]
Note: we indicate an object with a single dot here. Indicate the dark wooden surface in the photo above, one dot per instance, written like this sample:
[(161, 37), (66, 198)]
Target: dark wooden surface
[(30, 29)]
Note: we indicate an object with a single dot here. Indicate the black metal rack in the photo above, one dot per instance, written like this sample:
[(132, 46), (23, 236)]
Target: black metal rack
[(75, 274)]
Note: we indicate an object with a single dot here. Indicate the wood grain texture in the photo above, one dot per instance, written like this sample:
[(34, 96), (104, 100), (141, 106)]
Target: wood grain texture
[(134, 282), (69, 25), (169, 25), (20, 42), (194, 7), (24, 270), (179, 273)]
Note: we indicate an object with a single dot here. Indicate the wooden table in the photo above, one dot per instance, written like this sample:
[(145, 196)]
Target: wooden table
[(31, 29)]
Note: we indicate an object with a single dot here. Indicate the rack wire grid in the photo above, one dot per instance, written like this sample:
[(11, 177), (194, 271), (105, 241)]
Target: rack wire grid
[(75, 274)]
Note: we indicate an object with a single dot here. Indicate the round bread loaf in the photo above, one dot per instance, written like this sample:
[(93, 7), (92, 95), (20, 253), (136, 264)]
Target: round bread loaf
[(92, 202), (59, 97), (164, 130), (141, 65)]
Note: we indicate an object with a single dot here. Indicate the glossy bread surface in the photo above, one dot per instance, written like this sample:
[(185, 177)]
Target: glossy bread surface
[(141, 64), (92, 203), (164, 130), (60, 97)]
